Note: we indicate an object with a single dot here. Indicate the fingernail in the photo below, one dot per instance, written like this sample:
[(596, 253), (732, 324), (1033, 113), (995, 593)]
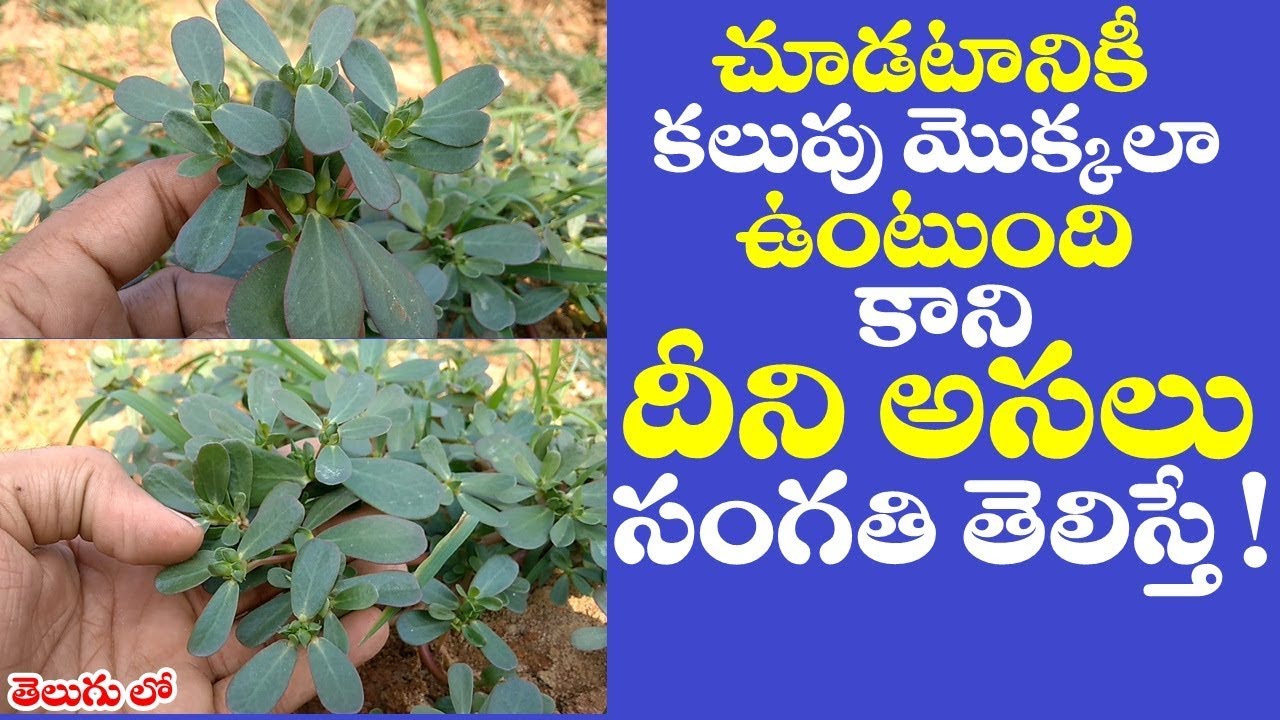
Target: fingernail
[(194, 522)]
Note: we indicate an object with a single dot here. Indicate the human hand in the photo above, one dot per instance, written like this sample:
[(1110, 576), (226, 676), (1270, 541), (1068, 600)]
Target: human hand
[(64, 278), (80, 545)]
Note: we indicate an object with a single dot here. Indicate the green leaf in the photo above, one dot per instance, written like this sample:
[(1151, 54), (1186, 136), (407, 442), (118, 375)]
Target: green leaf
[(395, 588), (314, 573), (538, 303), (197, 46), (495, 649), (481, 510), (171, 488), (365, 427), (256, 307), (514, 696), (378, 538), (589, 639), (212, 474), (510, 244), (458, 130), (246, 29), (322, 295), (548, 272), (395, 301), (352, 397), (105, 82), (331, 34), (336, 679), (321, 121), (356, 596), (262, 387), (278, 517), (240, 468), (416, 627), (294, 180), (336, 633), (495, 576), (470, 89), (527, 526), (370, 72), (461, 687), (373, 177), (159, 419), (297, 409), (204, 243), (186, 575), (437, 157), (490, 303), (213, 627), (263, 622), (249, 128), (198, 165), (148, 100), (274, 97), (262, 681), (333, 467), (562, 532), (327, 506), (183, 128), (395, 487), (271, 469)]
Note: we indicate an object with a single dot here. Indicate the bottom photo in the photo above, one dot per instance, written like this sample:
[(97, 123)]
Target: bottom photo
[(304, 526)]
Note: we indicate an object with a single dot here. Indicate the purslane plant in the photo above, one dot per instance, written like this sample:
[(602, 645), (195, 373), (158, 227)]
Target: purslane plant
[(272, 452), (314, 147)]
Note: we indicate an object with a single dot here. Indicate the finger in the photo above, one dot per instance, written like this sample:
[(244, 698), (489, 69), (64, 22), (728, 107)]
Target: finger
[(301, 687), (175, 303), (57, 494), (121, 227)]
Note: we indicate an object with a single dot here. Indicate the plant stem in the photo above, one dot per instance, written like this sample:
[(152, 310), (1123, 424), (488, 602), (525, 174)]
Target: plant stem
[(271, 197), (429, 662)]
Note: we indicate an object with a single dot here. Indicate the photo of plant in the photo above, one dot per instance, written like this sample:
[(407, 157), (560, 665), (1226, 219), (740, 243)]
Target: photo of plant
[(454, 488), (403, 169)]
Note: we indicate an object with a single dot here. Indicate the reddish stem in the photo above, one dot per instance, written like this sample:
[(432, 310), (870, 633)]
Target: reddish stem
[(429, 662)]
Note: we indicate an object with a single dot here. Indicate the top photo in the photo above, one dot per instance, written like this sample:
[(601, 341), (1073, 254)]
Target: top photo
[(291, 168)]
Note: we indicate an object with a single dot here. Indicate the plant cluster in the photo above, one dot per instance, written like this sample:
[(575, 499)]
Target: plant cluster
[(327, 147), (272, 451)]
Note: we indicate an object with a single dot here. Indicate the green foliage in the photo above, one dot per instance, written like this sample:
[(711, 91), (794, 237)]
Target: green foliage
[(106, 12), (274, 451)]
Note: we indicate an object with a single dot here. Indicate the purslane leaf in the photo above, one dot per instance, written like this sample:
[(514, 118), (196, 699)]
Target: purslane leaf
[(322, 122), (197, 46), (322, 295), (416, 627), (278, 517), (495, 649), (213, 627), (256, 308), (171, 488), (260, 684), (314, 573), (514, 696), (246, 29), (336, 679), (370, 72), (352, 397), (437, 157), (275, 98), (495, 576), (469, 89), (490, 303), (264, 621), (212, 474), (333, 466), (185, 575), (148, 100), (508, 243), (394, 299), (395, 487), (297, 409), (396, 588), (331, 34), (457, 130), (250, 128), (205, 241), (378, 538), (183, 128), (373, 177)]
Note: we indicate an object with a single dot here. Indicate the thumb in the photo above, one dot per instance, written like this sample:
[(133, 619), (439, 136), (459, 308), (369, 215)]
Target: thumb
[(60, 493)]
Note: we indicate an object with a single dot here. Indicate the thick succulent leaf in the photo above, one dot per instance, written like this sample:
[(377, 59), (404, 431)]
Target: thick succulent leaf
[(240, 464), (461, 687), (470, 89), (148, 100), (395, 588), (249, 249), (352, 398), (481, 511), (373, 177), (197, 46), (263, 622), (171, 488), (204, 243), (508, 243), (495, 576), (437, 157), (213, 474), (322, 295), (246, 29), (378, 538), (262, 681), (183, 128), (331, 34), (490, 303), (256, 308), (294, 180), (395, 487), (394, 299), (457, 130), (198, 165), (186, 575), (213, 627), (528, 526), (278, 518), (514, 696), (321, 122), (589, 639), (274, 97), (416, 627), (370, 72), (538, 304), (508, 454), (356, 596), (495, 649), (270, 469), (250, 128), (336, 633), (333, 466), (327, 506), (314, 573), (297, 409), (365, 427)]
